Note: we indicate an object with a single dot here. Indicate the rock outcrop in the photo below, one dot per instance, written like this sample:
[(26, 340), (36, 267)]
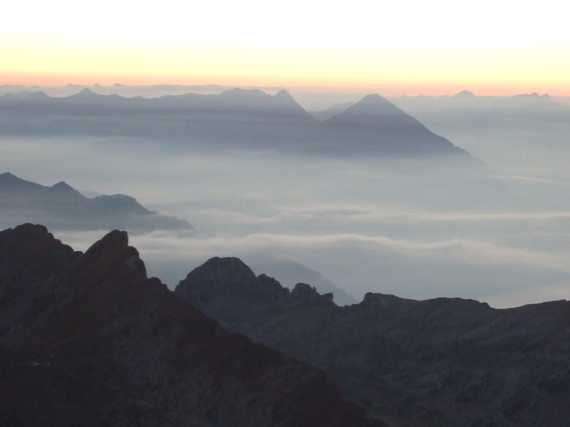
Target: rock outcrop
[(439, 362), (89, 340)]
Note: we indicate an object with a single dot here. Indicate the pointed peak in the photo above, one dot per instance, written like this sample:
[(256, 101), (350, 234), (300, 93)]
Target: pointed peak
[(368, 108), (115, 239), (373, 97), (285, 97), (112, 255), (374, 101), (8, 178), (63, 188)]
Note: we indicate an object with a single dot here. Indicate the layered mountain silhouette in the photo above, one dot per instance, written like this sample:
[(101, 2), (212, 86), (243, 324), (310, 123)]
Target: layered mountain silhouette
[(62, 207), (289, 273), (531, 112), (374, 122), (87, 339), (233, 119), (439, 362)]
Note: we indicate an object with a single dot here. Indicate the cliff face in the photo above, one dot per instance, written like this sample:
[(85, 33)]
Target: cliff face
[(439, 362), (90, 340)]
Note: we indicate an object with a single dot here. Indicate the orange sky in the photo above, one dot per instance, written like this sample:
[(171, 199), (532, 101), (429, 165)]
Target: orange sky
[(405, 47)]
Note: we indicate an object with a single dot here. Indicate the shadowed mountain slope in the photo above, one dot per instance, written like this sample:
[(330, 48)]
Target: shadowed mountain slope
[(439, 362), (89, 340)]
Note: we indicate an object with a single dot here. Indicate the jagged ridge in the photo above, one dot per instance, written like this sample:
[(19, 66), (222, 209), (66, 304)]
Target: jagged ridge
[(440, 362), (89, 340)]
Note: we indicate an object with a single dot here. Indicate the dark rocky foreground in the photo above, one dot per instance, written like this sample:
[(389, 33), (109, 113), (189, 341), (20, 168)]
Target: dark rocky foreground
[(440, 362), (90, 340)]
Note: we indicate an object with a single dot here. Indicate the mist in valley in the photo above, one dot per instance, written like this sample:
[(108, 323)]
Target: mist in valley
[(364, 224)]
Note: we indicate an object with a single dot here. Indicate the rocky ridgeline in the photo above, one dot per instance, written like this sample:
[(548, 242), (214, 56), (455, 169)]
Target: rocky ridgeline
[(89, 340), (439, 362)]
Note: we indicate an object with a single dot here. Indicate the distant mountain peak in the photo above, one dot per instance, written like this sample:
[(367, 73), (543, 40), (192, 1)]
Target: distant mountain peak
[(28, 95), (534, 96), (85, 93), (255, 99), (375, 101), (376, 123), (372, 97), (370, 106), (63, 186), (9, 179), (64, 207), (464, 94), (8, 176), (284, 94)]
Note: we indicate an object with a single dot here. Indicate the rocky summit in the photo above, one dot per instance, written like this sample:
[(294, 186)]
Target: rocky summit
[(439, 362), (87, 339)]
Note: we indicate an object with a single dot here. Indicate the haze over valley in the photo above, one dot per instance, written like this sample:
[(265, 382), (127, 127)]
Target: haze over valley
[(285, 214), (480, 223)]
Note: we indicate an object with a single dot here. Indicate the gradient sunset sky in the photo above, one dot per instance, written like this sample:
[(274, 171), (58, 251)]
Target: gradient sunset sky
[(430, 47)]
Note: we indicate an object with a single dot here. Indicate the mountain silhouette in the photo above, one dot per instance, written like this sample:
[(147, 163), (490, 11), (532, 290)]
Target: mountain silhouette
[(63, 207), (232, 119), (374, 122), (290, 272), (464, 94), (87, 339), (439, 362)]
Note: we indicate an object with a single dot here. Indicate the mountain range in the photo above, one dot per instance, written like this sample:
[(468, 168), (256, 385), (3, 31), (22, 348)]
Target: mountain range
[(232, 119), (535, 118), (64, 208), (87, 339), (439, 362), (465, 106)]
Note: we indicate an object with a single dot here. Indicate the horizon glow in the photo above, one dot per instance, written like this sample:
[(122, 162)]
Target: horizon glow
[(411, 47)]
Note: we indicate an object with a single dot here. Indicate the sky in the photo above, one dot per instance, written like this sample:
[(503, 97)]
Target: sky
[(439, 46)]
